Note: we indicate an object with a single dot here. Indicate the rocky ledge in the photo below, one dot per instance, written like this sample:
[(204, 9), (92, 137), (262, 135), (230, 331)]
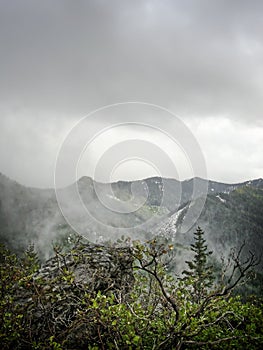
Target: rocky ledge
[(54, 296)]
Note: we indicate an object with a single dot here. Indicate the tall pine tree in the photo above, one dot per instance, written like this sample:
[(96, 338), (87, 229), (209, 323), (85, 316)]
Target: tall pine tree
[(200, 273)]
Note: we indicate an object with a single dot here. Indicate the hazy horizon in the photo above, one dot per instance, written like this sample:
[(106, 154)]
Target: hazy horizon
[(138, 179), (200, 60)]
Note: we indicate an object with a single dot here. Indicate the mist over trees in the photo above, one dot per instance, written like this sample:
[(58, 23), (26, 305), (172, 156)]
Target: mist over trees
[(171, 290)]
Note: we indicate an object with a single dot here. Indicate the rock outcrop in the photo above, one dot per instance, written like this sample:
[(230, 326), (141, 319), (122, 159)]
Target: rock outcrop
[(64, 286)]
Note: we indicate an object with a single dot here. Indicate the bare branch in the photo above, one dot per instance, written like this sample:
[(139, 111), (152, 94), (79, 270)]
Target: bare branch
[(154, 264), (214, 342)]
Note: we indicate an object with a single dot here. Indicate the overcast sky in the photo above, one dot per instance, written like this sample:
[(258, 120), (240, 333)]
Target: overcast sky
[(202, 60)]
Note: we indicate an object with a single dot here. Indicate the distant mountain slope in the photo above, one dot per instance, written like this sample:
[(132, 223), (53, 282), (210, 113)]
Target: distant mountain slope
[(228, 219), (33, 215), (237, 215), (25, 213)]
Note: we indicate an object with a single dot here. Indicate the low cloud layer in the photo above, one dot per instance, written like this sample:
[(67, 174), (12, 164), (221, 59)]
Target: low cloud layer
[(60, 60)]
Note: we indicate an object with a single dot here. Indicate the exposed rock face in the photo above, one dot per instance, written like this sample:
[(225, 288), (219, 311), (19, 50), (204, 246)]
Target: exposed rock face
[(62, 289), (93, 266)]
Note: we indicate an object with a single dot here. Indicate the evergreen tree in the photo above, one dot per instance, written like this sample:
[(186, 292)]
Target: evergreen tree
[(200, 274), (30, 261)]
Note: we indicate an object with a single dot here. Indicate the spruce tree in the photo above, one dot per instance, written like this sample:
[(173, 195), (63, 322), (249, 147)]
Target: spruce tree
[(200, 273)]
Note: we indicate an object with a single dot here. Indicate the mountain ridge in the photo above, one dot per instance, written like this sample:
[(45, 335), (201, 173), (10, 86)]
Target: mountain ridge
[(85, 177), (31, 215)]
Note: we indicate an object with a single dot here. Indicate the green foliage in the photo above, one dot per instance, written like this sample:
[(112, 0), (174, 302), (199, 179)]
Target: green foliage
[(200, 273), (159, 311), (15, 273)]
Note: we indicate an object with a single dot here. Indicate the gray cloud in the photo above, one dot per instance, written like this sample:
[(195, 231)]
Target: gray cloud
[(201, 59)]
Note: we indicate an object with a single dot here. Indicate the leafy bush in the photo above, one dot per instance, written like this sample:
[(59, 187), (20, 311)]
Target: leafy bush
[(157, 311)]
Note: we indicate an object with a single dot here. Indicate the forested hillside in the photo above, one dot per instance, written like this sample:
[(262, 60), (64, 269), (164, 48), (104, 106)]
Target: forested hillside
[(231, 213)]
